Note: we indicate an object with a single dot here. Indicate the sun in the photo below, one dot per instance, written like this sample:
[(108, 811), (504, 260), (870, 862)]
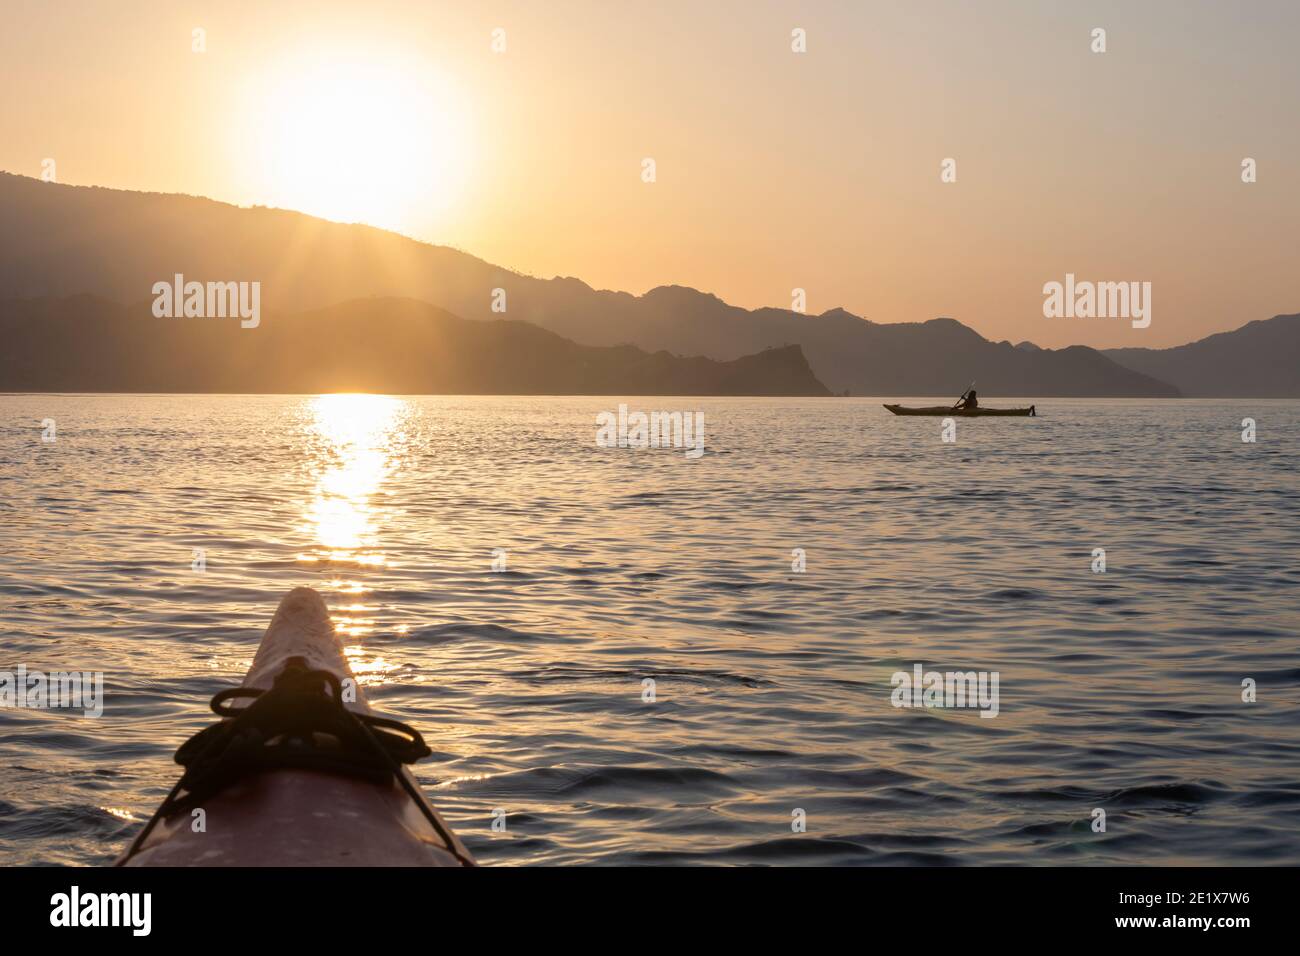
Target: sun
[(384, 141)]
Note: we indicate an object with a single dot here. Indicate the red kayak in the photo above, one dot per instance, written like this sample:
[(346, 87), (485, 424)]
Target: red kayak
[(300, 772)]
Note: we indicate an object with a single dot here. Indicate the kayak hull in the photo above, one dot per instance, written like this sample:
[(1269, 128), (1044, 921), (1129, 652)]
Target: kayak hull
[(295, 817), (947, 410)]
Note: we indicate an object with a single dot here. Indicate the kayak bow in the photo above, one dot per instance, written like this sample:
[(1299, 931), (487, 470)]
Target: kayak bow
[(963, 412), (329, 813)]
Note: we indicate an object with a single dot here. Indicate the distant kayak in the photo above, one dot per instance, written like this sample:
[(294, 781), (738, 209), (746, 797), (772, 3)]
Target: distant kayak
[(300, 772), (964, 412)]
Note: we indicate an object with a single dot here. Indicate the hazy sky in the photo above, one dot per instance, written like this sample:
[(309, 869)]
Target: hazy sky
[(774, 169)]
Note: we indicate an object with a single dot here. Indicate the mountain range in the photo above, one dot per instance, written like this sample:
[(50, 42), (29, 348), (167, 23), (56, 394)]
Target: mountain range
[(1259, 360), (401, 346), (59, 241)]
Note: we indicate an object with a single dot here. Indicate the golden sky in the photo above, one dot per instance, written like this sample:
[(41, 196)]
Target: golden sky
[(774, 169)]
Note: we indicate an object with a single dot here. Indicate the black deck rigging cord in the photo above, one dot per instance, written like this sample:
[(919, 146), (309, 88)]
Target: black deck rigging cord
[(294, 725)]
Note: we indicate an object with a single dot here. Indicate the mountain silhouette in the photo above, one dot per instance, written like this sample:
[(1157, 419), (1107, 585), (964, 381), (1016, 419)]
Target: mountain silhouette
[(58, 241), (401, 346), (1259, 360)]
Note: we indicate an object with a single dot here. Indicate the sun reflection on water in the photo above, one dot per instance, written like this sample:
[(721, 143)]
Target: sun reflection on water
[(354, 442), (368, 668)]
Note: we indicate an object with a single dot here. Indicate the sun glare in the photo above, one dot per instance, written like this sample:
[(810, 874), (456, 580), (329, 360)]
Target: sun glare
[(384, 142)]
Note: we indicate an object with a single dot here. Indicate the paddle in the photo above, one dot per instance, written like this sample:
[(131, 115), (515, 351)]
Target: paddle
[(964, 394)]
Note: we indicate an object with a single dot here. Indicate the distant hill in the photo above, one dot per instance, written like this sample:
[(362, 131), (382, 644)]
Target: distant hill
[(869, 358), (402, 346), (58, 240), (1259, 360)]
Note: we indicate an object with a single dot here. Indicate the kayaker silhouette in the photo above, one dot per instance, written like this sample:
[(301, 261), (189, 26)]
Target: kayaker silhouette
[(969, 404)]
